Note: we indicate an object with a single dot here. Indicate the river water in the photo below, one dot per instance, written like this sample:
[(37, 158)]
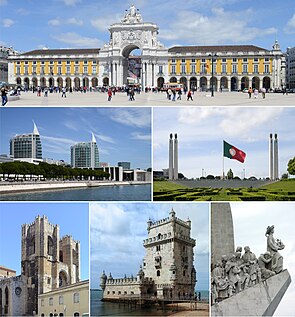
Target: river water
[(99, 308), (102, 193)]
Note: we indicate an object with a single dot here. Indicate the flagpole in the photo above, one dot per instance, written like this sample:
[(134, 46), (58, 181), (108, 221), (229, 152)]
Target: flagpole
[(222, 161)]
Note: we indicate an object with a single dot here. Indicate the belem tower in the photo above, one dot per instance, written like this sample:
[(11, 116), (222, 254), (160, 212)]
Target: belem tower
[(167, 271)]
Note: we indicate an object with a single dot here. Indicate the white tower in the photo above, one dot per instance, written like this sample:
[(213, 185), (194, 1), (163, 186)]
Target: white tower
[(171, 157), (271, 176), (175, 157)]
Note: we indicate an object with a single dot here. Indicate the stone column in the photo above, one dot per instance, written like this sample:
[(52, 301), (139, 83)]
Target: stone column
[(276, 159), (222, 231), (170, 171), (271, 175), (175, 170)]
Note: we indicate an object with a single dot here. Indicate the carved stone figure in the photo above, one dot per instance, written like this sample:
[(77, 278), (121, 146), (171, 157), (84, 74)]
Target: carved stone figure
[(132, 16), (273, 246), (264, 262)]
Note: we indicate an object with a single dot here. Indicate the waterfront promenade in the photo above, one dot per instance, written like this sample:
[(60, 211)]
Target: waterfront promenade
[(151, 99), (16, 187)]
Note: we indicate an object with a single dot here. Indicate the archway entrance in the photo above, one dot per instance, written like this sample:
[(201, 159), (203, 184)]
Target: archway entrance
[(203, 83), (266, 82), (193, 83), (106, 81), (86, 82), (233, 84), (160, 82), (244, 83), (51, 82), (132, 66), (77, 83), (255, 82)]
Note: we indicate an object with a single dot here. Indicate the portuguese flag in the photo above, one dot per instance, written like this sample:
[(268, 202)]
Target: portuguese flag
[(232, 152)]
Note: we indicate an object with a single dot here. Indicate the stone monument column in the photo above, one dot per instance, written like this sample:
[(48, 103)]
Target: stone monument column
[(222, 231)]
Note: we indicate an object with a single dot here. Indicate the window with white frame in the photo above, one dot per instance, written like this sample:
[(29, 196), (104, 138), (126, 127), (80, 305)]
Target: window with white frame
[(76, 297)]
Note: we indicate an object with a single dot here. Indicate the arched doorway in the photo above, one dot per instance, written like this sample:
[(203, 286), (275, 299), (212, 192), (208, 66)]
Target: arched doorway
[(160, 82), (244, 83), (86, 82), (62, 279), (132, 65), (60, 82), (18, 81), (94, 82), (51, 82), (27, 83), (35, 82), (106, 81), (266, 82), (193, 83), (255, 82), (77, 83), (214, 83), (203, 83), (223, 83), (233, 84), (68, 82), (6, 301), (173, 80), (183, 81), (43, 82)]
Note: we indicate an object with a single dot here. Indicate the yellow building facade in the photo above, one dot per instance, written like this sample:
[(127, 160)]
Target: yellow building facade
[(72, 300), (219, 67)]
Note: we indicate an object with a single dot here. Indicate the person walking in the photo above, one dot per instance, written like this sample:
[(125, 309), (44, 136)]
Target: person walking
[(4, 91), (255, 93), (174, 95), (189, 96), (263, 91), (179, 94), (110, 94), (250, 92), (63, 92)]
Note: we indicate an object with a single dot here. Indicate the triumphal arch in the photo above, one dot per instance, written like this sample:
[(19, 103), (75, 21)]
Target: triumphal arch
[(130, 34)]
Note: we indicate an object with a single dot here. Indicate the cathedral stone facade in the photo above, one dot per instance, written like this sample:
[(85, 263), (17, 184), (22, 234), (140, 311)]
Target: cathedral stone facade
[(48, 262), (167, 272)]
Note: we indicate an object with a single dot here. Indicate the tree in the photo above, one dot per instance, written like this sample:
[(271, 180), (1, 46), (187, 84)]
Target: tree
[(285, 176), (291, 166), (230, 174)]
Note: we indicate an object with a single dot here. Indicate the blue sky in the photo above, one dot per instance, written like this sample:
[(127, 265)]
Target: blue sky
[(32, 24), (250, 221), (201, 131), (71, 218), (117, 232), (122, 134)]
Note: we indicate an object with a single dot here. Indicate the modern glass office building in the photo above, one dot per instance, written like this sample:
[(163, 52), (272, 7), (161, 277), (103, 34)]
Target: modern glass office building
[(26, 147), (85, 154)]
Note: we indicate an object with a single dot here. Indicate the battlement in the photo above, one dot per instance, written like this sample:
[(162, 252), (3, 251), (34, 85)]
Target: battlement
[(167, 236), (128, 281), (152, 225)]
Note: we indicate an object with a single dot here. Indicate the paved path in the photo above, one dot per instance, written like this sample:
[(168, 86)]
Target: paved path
[(152, 99)]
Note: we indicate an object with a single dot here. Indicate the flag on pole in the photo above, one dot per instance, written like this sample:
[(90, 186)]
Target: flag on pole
[(232, 152)]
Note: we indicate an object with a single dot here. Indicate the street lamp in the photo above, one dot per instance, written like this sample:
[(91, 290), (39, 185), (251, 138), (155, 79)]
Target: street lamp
[(212, 72)]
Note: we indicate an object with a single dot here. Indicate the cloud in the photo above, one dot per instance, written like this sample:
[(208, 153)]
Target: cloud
[(105, 138), (290, 27), (76, 40), (140, 136), (135, 117), (103, 23), (7, 23), (214, 28), (70, 2), (22, 11), (70, 21)]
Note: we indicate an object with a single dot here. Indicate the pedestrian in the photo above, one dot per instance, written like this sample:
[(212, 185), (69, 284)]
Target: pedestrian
[(179, 94), (169, 92), (263, 91), (63, 92), (250, 92), (189, 96), (255, 93), (45, 92), (110, 94), (285, 91), (174, 95), (39, 91), (4, 91), (131, 94)]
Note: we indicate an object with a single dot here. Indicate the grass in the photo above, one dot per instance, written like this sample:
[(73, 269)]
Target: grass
[(279, 191)]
